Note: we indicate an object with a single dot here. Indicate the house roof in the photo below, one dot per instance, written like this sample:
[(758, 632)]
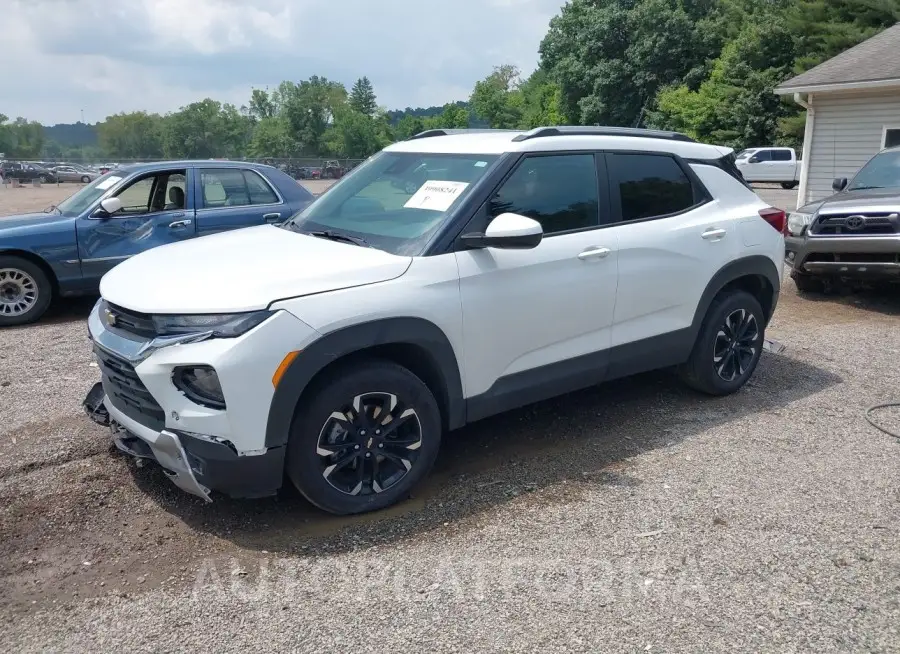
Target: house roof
[(871, 64)]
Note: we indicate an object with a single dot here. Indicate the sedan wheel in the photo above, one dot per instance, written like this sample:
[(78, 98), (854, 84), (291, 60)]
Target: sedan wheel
[(19, 292)]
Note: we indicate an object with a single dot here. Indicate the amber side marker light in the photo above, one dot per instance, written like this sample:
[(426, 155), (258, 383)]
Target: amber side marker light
[(283, 366)]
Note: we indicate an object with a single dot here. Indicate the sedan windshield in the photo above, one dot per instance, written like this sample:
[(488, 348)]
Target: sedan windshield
[(76, 204), (395, 201), (882, 171)]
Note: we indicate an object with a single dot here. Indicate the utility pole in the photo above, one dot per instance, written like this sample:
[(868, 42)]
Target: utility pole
[(82, 115)]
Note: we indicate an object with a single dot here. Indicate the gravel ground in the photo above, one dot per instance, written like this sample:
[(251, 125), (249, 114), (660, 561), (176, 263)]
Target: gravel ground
[(635, 516)]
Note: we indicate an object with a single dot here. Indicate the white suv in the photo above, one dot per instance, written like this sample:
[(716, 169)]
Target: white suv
[(450, 277)]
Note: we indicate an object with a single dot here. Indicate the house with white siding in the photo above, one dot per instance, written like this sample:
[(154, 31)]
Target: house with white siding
[(852, 107)]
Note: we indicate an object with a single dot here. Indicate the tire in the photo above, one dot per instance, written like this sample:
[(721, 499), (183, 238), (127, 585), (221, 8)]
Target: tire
[(808, 283), (25, 291), (44, 179), (707, 370), (85, 180), (311, 449), (788, 186)]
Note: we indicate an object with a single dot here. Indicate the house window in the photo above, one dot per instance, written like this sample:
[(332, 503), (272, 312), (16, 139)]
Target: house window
[(891, 137)]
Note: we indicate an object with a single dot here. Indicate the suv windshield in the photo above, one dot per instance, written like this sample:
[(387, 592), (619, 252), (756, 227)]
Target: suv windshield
[(395, 201), (882, 171), (74, 205)]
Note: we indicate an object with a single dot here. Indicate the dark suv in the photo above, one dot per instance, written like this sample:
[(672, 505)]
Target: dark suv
[(853, 235), (26, 172)]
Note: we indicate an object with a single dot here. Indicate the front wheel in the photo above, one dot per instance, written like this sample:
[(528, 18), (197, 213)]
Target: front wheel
[(787, 186), (44, 179), (364, 438), (729, 345), (25, 291), (85, 180)]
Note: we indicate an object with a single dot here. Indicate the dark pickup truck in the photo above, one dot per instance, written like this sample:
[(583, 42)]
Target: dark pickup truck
[(853, 235)]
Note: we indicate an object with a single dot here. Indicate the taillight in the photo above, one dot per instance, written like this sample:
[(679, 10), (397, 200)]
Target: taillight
[(775, 217)]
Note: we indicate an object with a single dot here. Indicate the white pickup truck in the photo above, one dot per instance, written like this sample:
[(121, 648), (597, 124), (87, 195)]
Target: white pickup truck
[(776, 165)]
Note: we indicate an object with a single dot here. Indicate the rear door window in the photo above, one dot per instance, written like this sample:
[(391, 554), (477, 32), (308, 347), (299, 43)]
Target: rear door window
[(650, 185)]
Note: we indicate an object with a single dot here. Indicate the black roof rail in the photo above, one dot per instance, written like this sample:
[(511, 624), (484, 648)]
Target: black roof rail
[(449, 132), (571, 130)]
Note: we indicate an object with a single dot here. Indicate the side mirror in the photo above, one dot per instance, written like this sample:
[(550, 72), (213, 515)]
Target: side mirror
[(753, 159), (839, 184), (507, 231), (108, 207)]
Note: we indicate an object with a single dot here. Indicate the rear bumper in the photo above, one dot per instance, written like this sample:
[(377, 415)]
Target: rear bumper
[(853, 256), (199, 464)]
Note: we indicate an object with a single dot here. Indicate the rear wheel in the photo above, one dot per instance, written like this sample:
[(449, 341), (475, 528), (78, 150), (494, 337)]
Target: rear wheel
[(25, 291), (85, 180), (364, 438), (729, 345), (787, 186)]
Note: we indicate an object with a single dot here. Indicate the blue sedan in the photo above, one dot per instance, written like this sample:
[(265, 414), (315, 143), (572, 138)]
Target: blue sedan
[(67, 249)]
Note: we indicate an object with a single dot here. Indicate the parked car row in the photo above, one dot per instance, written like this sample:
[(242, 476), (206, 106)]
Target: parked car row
[(48, 173)]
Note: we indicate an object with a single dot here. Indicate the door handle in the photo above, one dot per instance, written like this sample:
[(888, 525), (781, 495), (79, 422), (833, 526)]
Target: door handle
[(594, 253), (713, 234), (271, 217), (179, 223)]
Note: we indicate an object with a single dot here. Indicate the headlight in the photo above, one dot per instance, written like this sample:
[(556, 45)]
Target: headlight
[(227, 325), (798, 222), (201, 385)]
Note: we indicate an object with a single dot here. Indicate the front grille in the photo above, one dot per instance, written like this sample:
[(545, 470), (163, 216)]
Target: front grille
[(127, 392), (872, 224), (139, 324)]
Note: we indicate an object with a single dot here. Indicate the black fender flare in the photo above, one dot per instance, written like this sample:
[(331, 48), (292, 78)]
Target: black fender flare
[(418, 332), (752, 266)]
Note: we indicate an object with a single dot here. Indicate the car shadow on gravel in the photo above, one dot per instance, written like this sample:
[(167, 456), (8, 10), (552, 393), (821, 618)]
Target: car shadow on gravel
[(550, 450), (883, 299)]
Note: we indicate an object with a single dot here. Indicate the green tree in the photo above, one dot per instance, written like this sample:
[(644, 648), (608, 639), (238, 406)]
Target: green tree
[(271, 138), (356, 135), (136, 135), (452, 117), (261, 105), (497, 99), (21, 138), (736, 106), (611, 57), (362, 97), (206, 129), (308, 108)]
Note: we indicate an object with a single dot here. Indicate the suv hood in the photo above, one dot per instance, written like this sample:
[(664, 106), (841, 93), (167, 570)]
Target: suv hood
[(876, 200), (243, 270)]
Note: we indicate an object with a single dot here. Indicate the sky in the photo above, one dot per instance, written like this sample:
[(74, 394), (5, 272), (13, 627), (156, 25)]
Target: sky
[(62, 57)]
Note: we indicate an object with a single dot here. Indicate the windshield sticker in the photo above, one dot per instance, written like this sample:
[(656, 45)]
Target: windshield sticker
[(436, 195), (480, 164), (109, 181)]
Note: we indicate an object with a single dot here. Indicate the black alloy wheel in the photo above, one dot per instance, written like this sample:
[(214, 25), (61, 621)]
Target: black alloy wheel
[(729, 345), (363, 436), (369, 445), (735, 346)]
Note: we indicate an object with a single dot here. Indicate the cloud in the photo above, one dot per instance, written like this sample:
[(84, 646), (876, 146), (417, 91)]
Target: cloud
[(103, 56)]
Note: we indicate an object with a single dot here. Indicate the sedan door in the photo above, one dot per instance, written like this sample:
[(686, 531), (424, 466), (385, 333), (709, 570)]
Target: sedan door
[(230, 198), (157, 208), (537, 322)]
